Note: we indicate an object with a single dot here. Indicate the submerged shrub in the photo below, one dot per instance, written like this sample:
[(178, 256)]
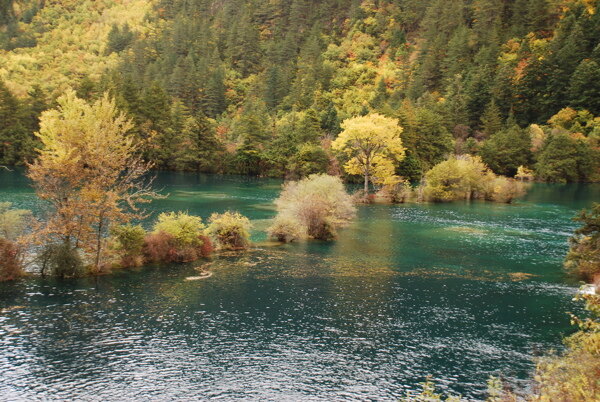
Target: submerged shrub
[(12, 221), (286, 229), (231, 230), (11, 266), (61, 260), (207, 247), (398, 192), (315, 206), (456, 179), (186, 229), (177, 237), (466, 178), (160, 247), (504, 190), (129, 244)]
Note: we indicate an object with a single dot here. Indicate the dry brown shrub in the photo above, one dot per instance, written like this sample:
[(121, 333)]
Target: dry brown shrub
[(10, 261)]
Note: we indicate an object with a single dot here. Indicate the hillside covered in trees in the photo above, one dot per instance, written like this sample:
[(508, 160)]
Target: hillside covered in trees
[(261, 87)]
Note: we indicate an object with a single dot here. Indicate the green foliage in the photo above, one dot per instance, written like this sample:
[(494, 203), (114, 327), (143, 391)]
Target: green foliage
[(491, 120), (433, 141), (311, 159), (16, 128), (62, 260), (506, 150), (467, 178), (231, 230), (315, 206), (186, 229), (129, 243), (584, 86), (119, 38), (565, 159), (584, 256)]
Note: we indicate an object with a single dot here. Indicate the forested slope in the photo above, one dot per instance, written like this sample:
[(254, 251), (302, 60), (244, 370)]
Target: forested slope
[(260, 87)]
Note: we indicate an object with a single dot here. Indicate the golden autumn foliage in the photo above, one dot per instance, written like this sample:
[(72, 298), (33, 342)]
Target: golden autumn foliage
[(312, 208), (88, 171), (70, 37), (467, 178), (373, 147)]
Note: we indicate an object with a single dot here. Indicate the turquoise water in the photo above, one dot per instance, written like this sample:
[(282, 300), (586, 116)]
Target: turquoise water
[(459, 292)]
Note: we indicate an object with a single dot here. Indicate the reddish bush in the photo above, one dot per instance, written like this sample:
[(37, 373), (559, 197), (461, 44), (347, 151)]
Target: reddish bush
[(10, 262), (160, 247), (207, 247)]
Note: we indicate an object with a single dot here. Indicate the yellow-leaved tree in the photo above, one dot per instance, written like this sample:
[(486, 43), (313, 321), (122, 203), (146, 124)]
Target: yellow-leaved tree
[(373, 145), (89, 170)]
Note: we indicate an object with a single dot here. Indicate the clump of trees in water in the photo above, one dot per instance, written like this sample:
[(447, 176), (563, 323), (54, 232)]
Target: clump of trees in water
[(90, 172), (468, 178), (231, 230), (372, 148), (459, 178), (314, 207), (176, 237)]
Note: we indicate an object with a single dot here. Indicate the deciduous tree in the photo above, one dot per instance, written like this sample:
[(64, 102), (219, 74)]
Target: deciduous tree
[(89, 171), (372, 145)]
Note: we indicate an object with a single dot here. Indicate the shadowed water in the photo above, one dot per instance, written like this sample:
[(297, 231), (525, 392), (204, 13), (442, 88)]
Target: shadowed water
[(459, 292)]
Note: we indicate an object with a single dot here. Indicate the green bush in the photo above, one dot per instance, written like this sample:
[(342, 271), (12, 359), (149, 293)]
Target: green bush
[(128, 242), (186, 229), (466, 178), (177, 237), (312, 159), (314, 207), (61, 260), (230, 230)]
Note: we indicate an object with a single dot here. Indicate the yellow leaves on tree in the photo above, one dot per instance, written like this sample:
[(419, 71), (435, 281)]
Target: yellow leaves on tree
[(88, 170), (373, 145)]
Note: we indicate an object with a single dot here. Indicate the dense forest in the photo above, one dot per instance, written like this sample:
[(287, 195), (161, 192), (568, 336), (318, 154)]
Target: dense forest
[(261, 87)]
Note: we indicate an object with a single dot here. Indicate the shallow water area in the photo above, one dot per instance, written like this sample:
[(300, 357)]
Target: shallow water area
[(458, 291)]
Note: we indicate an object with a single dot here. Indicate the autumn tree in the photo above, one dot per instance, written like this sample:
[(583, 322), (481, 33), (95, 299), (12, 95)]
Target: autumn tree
[(89, 171), (373, 146)]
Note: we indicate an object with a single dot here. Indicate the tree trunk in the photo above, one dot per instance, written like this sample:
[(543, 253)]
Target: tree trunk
[(367, 170), (99, 243)]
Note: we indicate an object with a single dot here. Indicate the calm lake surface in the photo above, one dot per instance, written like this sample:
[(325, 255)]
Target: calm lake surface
[(459, 292)]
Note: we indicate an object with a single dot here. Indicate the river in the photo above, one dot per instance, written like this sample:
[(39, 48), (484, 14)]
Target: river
[(456, 291)]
